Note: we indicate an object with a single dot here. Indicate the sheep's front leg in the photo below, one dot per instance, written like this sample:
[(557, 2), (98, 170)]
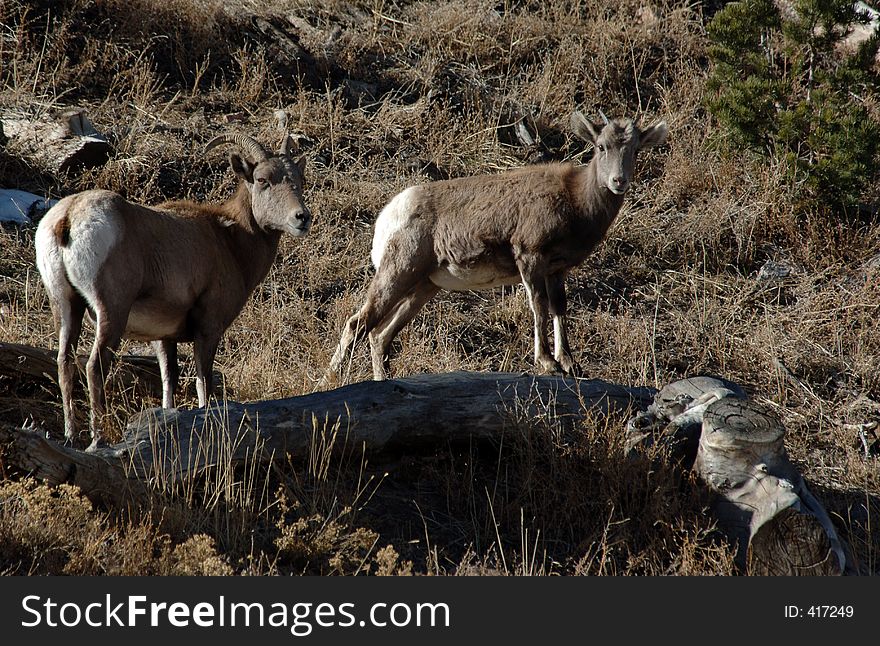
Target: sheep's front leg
[(205, 349), (536, 291), (558, 310), (166, 353)]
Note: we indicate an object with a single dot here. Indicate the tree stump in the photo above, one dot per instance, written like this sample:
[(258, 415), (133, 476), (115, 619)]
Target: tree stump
[(763, 504), (736, 447)]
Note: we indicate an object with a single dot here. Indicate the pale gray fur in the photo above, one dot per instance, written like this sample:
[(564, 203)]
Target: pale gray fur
[(529, 225)]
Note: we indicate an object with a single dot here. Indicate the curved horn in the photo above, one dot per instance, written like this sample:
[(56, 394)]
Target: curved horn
[(248, 144), (604, 118)]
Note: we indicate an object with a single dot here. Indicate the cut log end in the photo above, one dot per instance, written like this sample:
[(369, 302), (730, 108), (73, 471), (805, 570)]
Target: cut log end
[(732, 422), (792, 544)]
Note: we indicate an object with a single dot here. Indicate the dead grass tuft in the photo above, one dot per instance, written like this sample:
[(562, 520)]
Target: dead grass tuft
[(396, 93)]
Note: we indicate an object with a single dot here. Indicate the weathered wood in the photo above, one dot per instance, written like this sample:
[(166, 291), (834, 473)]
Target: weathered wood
[(135, 372), (792, 543), (29, 451), (22, 207), (674, 421), (27, 363), (737, 435), (736, 447), (59, 144), (397, 415), (742, 456), (762, 502)]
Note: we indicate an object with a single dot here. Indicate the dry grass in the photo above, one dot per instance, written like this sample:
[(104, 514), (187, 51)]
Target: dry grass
[(392, 87)]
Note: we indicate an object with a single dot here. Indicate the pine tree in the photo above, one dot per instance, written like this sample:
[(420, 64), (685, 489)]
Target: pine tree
[(784, 88)]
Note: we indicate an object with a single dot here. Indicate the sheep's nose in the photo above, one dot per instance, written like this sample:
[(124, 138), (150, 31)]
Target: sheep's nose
[(302, 216), (619, 181)]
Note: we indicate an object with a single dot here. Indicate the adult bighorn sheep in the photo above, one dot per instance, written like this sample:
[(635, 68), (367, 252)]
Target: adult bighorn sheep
[(179, 271), (528, 225)]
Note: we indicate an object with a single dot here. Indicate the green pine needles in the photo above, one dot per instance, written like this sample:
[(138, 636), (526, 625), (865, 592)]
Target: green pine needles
[(783, 87)]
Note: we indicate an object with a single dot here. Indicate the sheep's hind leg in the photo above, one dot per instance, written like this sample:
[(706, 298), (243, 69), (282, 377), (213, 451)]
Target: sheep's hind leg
[(388, 289), (108, 335), (384, 333), (352, 332), (69, 313)]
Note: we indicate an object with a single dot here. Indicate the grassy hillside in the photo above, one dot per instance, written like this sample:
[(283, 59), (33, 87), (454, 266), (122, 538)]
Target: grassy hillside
[(390, 94)]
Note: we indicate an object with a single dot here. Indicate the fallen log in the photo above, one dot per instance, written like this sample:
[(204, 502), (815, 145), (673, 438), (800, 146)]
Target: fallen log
[(734, 445), (163, 447), (25, 363)]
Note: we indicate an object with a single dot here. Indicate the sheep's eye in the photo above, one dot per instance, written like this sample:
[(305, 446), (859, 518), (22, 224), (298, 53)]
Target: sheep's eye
[(601, 148), (261, 181)]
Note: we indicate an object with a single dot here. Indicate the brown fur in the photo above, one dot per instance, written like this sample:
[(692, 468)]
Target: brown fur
[(178, 272), (529, 225), (550, 210), (62, 231), (235, 210)]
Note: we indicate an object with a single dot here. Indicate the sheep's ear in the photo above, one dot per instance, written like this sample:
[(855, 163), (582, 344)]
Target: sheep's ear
[(289, 146), (301, 165), (653, 136), (242, 167), (583, 128)]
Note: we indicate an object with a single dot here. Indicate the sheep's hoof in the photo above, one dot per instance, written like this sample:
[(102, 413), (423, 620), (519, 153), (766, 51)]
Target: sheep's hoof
[(329, 381), (549, 366), (74, 441), (571, 368)]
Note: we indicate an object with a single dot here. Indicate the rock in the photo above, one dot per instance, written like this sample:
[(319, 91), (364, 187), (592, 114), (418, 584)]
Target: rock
[(21, 207)]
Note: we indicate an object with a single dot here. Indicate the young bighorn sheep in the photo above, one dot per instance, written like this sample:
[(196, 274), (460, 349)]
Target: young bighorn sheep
[(179, 271), (529, 225)]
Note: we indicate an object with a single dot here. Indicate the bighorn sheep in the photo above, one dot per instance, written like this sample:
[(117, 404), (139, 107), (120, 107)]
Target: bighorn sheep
[(179, 271), (528, 225)]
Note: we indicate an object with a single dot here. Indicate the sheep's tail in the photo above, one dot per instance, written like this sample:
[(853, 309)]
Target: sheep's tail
[(62, 230)]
